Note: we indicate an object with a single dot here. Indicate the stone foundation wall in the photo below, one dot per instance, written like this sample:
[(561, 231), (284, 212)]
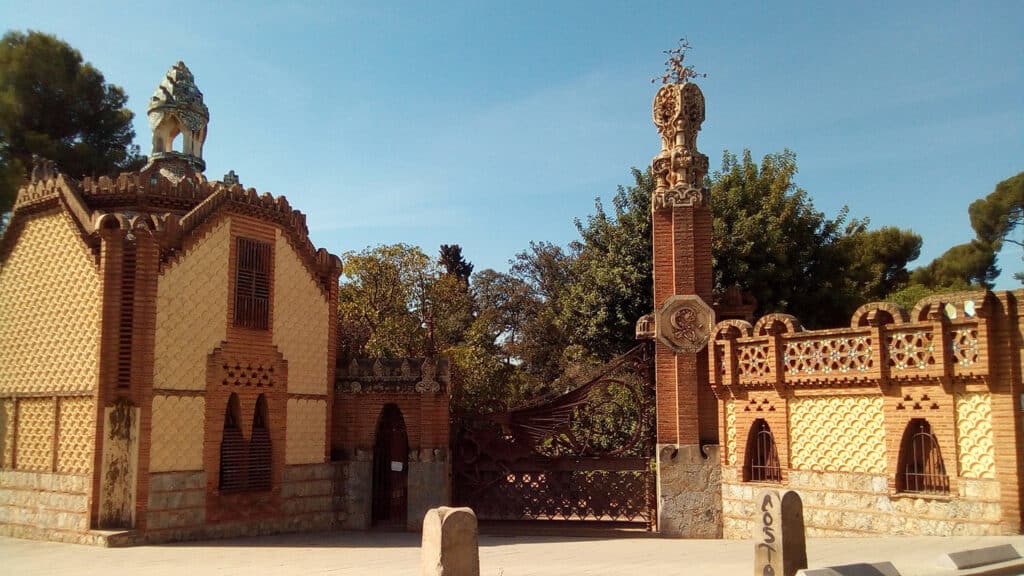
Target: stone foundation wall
[(306, 495), (177, 502), (689, 491), (42, 505), (177, 507), (847, 504), (353, 491), (429, 484)]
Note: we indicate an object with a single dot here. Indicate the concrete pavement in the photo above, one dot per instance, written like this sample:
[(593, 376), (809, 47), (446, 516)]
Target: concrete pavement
[(393, 554)]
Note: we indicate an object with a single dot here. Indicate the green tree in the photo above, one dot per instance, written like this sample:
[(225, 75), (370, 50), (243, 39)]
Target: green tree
[(994, 219), (771, 242), (613, 274), (547, 270), (454, 263), (962, 266), (381, 301), (877, 260), (55, 106)]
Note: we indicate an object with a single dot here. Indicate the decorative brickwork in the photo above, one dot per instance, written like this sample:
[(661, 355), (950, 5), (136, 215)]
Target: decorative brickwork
[(7, 432), (307, 425), (754, 363), (301, 314), (35, 434), (911, 350), (730, 430), (76, 434), (50, 288), (827, 355), (900, 424), (192, 304), (177, 437), (838, 434), (965, 346), (974, 435)]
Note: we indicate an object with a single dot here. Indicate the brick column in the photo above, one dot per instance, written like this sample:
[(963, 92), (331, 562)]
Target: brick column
[(689, 474)]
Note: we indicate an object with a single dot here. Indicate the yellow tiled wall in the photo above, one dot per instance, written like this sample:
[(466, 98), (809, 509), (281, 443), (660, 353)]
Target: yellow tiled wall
[(35, 434), (77, 431), (307, 426), (177, 443), (7, 432), (191, 314), (49, 320), (837, 434), (974, 435), (301, 313)]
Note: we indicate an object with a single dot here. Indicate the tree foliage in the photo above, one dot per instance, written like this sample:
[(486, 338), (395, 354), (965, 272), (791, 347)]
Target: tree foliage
[(612, 272), (994, 219), (453, 263), (55, 106)]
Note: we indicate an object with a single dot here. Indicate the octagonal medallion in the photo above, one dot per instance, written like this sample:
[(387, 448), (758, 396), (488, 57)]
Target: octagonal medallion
[(684, 323)]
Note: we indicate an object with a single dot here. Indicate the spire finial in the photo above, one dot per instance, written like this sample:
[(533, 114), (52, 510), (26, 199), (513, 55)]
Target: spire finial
[(177, 108)]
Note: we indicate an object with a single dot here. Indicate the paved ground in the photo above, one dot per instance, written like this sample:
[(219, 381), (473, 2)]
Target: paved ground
[(393, 554)]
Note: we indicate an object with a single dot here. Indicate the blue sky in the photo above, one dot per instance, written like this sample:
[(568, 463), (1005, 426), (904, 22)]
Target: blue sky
[(493, 124)]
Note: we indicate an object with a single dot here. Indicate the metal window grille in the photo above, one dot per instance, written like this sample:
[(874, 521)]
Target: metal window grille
[(259, 477), (232, 451), (762, 457), (252, 284), (921, 466)]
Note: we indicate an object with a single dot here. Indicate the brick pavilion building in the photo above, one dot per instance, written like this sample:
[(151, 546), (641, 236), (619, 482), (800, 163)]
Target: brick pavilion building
[(167, 362)]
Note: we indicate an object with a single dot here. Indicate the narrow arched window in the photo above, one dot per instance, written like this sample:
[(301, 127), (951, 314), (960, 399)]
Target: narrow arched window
[(259, 447), (762, 459), (232, 449), (921, 468)]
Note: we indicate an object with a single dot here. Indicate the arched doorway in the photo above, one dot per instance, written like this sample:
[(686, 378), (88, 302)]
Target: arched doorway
[(390, 469)]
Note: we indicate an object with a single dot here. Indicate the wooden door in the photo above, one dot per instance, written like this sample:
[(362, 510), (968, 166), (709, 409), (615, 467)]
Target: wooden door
[(390, 469)]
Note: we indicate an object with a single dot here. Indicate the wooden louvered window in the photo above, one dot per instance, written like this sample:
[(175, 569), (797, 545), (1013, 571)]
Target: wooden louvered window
[(232, 450), (921, 468), (252, 284), (762, 459), (260, 461)]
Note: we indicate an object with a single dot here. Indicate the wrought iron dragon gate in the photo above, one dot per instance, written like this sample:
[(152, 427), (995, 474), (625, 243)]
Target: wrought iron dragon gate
[(585, 455)]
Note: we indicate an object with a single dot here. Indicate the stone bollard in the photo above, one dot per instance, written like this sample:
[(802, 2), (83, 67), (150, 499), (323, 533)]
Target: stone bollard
[(780, 548), (449, 543)]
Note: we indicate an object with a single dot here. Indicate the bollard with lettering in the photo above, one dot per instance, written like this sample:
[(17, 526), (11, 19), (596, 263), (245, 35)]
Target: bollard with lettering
[(779, 545)]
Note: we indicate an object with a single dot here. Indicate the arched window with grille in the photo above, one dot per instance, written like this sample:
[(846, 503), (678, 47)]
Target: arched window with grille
[(232, 449), (921, 468), (259, 447), (762, 459)]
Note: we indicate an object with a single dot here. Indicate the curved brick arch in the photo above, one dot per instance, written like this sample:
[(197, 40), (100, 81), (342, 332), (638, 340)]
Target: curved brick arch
[(727, 329), (934, 303), (881, 312), (789, 324)]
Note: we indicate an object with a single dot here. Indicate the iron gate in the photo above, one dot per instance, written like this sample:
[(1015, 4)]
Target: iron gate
[(585, 455)]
